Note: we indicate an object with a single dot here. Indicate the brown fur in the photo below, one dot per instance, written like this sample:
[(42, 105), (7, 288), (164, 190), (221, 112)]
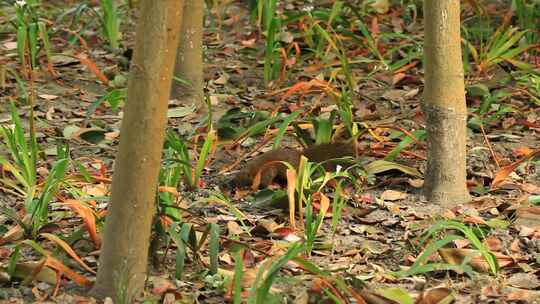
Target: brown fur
[(270, 167)]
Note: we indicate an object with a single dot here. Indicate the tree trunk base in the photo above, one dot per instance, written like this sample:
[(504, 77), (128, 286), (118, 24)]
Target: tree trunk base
[(445, 177), (446, 199)]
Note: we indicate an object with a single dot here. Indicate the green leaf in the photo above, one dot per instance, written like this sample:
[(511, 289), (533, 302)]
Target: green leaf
[(397, 294), (404, 143), (477, 90), (180, 111), (92, 135)]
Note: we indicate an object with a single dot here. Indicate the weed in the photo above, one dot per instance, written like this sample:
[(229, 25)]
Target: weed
[(272, 25), (23, 163), (30, 29), (110, 22), (267, 274), (503, 45), (528, 13), (182, 155), (421, 265)]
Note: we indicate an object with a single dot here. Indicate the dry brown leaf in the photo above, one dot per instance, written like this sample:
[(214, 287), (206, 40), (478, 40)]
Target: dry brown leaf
[(514, 246), (528, 216), (530, 188), (435, 296), (505, 171), (234, 229), (15, 233), (455, 256), (161, 285), (393, 195), (493, 243), (474, 219), (522, 295)]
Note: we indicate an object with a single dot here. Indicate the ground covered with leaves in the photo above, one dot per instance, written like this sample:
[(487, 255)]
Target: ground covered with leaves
[(330, 69)]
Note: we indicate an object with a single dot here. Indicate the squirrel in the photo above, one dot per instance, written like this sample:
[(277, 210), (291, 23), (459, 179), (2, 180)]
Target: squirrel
[(271, 168)]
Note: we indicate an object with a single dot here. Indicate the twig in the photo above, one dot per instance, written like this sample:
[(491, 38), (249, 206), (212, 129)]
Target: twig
[(488, 144)]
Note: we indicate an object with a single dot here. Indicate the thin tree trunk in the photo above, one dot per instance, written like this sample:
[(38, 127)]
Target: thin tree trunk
[(123, 259), (189, 59), (444, 105)]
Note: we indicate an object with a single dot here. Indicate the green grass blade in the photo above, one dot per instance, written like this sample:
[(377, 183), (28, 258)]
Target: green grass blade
[(213, 247), (283, 127), (264, 289), (203, 156), (237, 281)]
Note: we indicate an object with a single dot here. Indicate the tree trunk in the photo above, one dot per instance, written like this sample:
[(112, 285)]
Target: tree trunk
[(123, 259), (444, 105), (189, 59)]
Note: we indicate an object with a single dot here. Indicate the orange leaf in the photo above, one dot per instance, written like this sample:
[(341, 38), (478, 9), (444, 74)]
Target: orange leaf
[(64, 270), (88, 217), (166, 189), (302, 85), (406, 67), (165, 221), (505, 171), (324, 202), (93, 68), (291, 186), (522, 151), (67, 249)]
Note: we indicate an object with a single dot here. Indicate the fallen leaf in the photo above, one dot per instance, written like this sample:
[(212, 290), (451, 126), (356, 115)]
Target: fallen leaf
[(161, 285), (10, 45), (36, 270), (286, 234), (89, 219), (68, 250), (15, 233), (222, 79), (505, 171), (96, 190), (493, 243), (521, 295), (234, 229), (528, 216), (250, 43), (393, 195), (524, 280), (456, 256), (66, 271), (435, 296), (48, 96), (416, 182), (93, 68), (380, 166), (180, 111)]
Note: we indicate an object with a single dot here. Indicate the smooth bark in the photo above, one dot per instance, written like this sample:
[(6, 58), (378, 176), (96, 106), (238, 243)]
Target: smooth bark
[(123, 259), (444, 105), (189, 59)]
